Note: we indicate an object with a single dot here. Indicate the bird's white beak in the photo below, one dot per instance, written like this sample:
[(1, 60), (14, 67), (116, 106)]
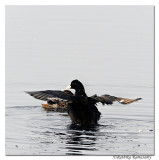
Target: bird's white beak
[(68, 87)]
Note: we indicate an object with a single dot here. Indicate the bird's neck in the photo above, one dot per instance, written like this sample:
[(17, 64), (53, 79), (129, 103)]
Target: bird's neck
[(80, 92)]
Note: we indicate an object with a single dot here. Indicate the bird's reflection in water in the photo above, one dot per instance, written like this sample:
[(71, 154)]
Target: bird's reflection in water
[(80, 139)]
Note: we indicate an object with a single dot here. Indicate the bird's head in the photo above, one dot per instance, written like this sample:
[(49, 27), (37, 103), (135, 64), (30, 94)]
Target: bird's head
[(77, 85)]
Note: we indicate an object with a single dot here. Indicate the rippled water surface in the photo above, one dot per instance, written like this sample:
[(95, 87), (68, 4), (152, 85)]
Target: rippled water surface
[(122, 129)]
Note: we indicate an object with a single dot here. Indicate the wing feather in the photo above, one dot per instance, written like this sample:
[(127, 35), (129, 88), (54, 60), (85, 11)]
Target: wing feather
[(108, 99), (126, 100), (45, 95)]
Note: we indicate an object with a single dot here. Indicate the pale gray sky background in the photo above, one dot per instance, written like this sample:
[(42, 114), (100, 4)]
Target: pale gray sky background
[(96, 44)]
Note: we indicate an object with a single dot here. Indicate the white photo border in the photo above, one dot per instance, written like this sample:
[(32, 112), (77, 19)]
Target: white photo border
[(71, 2)]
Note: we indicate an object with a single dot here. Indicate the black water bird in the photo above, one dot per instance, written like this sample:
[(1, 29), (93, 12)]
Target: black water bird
[(81, 108)]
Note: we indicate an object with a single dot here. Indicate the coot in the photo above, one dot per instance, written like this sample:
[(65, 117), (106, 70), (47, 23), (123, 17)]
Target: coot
[(81, 108)]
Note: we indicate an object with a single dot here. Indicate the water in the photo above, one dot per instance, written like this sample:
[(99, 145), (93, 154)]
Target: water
[(122, 129)]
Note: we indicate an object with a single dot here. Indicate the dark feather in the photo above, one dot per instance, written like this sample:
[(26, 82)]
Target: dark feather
[(108, 99), (44, 95)]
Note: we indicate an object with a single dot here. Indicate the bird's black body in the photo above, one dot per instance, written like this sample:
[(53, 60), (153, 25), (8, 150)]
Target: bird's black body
[(81, 108), (83, 112)]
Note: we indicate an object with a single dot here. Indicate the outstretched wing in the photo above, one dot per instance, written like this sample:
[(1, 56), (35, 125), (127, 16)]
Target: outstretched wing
[(127, 101), (45, 95), (108, 99)]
